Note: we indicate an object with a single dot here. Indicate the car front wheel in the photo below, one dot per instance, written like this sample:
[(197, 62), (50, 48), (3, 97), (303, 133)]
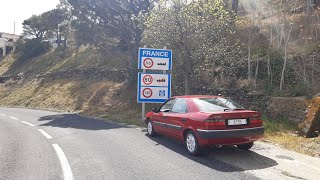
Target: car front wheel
[(246, 146), (191, 143), (150, 130)]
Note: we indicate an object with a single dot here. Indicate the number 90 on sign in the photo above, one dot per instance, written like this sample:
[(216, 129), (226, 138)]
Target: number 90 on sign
[(147, 93)]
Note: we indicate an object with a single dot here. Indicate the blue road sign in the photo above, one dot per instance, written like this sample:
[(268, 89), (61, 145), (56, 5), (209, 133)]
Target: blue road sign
[(153, 88), (155, 59)]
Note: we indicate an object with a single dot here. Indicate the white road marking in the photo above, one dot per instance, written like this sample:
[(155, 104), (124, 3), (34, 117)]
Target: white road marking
[(45, 134), (3, 115), (67, 173), (28, 123), (13, 118)]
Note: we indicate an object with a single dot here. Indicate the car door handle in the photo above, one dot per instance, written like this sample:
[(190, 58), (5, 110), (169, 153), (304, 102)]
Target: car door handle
[(163, 117), (183, 119)]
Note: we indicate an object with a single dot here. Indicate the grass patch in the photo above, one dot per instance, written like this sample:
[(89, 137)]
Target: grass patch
[(283, 132), (5, 64), (279, 125)]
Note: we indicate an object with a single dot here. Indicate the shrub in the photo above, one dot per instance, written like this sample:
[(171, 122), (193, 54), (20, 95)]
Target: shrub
[(30, 48)]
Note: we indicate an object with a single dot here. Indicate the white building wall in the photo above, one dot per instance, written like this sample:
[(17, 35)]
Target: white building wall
[(7, 40)]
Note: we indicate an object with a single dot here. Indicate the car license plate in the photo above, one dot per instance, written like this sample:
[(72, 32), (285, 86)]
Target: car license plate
[(234, 122)]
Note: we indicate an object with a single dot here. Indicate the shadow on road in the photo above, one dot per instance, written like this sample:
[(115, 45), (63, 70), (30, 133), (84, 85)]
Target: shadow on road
[(77, 122), (226, 159)]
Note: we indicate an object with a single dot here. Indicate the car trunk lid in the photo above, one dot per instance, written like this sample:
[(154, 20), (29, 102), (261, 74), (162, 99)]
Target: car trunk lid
[(233, 119)]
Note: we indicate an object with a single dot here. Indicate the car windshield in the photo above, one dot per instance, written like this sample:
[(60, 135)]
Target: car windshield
[(216, 104)]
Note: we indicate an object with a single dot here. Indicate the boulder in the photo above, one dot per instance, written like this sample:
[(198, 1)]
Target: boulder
[(310, 126)]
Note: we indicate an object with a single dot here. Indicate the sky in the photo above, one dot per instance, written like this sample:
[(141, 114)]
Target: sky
[(19, 10)]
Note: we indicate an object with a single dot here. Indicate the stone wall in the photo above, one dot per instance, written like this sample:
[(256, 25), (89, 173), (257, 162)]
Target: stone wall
[(72, 74), (292, 108)]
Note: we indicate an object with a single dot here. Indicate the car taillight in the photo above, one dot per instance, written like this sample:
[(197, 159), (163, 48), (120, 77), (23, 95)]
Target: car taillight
[(256, 120)]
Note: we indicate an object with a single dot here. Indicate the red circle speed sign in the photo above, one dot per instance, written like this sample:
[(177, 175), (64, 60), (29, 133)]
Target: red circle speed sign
[(147, 79), (147, 93), (148, 63)]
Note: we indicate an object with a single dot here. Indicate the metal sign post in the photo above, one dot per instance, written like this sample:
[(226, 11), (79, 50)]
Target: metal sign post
[(143, 104)]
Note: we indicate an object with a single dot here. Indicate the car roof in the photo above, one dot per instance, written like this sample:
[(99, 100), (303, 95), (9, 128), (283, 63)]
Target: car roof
[(197, 96)]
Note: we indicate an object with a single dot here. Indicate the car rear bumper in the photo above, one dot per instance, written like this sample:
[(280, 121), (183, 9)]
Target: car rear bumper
[(230, 133)]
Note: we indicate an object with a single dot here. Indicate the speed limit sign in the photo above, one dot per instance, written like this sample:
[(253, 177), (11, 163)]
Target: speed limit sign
[(147, 79), (148, 62), (147, 92), (153, 87)]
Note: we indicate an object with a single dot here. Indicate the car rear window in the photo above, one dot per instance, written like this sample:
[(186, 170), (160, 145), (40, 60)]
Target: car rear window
[(216, 104)]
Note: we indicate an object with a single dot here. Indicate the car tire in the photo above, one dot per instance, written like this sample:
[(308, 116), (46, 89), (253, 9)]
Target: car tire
[(246, 146), (150, 129), (191, 143)]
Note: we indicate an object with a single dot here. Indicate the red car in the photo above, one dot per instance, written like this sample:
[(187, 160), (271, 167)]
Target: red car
[(202, 121)]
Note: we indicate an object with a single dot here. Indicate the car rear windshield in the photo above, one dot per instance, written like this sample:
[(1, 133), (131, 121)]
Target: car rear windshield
[(216, 104)]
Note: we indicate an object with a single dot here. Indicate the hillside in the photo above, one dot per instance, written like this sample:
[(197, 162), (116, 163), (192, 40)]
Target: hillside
[(83, 82)]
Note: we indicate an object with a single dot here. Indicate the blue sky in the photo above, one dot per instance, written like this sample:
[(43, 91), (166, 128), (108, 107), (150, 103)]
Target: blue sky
[(18, 10)]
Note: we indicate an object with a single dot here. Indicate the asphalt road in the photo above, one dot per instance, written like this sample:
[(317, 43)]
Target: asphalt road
[(43, 145)]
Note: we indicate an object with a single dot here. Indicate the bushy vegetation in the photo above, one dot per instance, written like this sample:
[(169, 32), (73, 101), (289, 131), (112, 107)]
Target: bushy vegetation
[(30, 48)]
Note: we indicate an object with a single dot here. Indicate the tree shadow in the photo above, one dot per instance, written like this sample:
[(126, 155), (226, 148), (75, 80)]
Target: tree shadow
[(78, 122), (226, 159)]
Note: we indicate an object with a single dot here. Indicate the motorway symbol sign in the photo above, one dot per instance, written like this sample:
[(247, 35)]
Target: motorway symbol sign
[(153, 88), (155, 59)]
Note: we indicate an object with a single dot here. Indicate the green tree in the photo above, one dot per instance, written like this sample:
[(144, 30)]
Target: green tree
[(200, 33), (111, 23), (35, 27), (57, 22)]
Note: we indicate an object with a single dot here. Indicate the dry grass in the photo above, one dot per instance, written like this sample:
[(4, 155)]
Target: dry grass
[(284, 133), (94, 98), (5, 64), (61, 59), (295, 143), (34, 94)]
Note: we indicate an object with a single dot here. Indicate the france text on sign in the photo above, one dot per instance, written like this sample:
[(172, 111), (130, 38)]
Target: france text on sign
[(155, 59), (153, 88)]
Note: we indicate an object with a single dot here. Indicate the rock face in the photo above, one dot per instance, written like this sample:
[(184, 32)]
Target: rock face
[(291, 108), (311, 123)]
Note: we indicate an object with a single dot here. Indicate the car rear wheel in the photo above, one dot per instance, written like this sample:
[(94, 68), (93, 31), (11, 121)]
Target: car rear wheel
[(191, 143), (246, 146), (150, 130)]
